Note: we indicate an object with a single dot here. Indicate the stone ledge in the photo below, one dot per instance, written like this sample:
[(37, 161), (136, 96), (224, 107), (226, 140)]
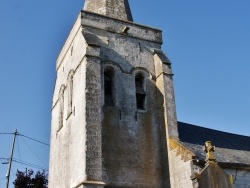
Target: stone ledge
[(113, 25), (94, 183), (91, 184), (181, 150)]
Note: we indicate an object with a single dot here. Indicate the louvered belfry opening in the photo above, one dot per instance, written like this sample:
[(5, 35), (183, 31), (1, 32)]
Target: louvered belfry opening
[(108, 87), (140, 92)]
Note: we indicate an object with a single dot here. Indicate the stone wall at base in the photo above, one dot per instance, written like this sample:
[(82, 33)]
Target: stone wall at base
[(181, 166)]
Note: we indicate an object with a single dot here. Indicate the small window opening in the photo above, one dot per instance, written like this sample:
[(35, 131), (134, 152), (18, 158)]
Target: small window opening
[(140, 92), (72, 48), (70, 92), (61, 111), (108, 87)]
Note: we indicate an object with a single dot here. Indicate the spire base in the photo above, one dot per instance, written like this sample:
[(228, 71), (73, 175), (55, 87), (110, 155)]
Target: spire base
[(118, 9)]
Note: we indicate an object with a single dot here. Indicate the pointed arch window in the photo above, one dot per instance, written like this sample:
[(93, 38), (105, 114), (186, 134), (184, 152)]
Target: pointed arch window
[(140, 91), (109, 87)]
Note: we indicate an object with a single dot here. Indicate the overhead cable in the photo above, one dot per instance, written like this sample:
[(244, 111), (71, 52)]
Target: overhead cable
[(30, 165), (18, 149), (34, 153), (18, 134), (34, 139)]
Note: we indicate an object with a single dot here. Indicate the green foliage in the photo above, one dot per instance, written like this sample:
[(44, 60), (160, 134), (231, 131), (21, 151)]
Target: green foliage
[(30, 180)]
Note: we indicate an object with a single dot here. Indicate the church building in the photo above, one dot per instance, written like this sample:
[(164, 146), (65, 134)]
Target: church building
[(114, 119)]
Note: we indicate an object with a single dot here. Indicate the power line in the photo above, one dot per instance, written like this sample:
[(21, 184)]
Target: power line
[(1, 159), (19, 161), (30, 164), (33, 139), (19, 134), (35, 154), (18, 149)]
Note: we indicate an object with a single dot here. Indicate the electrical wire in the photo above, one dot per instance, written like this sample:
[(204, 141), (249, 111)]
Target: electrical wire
[(30, 164), (6, 159), (18, 149), (34, 153), (20, 161), (33, 139), (4, 162), (18, 134)]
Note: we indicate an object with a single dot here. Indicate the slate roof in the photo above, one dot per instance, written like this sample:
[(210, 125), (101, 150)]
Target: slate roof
[(230, 148)]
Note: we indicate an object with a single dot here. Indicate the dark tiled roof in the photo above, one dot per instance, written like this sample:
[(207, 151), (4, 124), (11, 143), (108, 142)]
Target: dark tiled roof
[(230, 148)]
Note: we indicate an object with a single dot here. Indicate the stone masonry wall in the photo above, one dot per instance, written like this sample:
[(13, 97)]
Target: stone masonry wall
[(69, 43), (181, 171), (241, 177), (113, 8), (120, 145), (135, 160), (132, 151), (97, 6), (117, 26), (67, 152)]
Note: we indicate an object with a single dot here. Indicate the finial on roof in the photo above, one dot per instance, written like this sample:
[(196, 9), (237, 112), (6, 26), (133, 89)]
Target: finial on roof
[(209, 149), (113, 8)]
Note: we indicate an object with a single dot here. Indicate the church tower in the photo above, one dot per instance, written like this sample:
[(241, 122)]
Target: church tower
[(113, 105)]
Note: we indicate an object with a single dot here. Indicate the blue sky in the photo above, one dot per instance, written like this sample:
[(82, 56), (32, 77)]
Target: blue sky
[(207, 41)]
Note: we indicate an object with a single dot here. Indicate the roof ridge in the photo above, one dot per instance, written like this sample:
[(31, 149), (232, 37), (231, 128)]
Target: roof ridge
[(213, 129)]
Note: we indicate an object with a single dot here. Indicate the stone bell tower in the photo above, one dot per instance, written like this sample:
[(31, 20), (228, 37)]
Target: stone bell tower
[(113, 104)]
